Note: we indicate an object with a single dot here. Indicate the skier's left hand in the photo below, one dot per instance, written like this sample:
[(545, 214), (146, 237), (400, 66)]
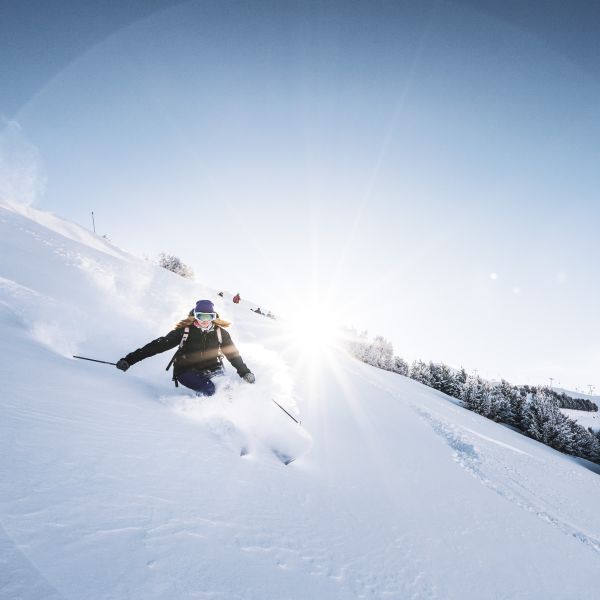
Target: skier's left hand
[(249, 377)]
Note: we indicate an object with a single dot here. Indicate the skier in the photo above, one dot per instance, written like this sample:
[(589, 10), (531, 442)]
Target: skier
[(236, 299), (201, 339)]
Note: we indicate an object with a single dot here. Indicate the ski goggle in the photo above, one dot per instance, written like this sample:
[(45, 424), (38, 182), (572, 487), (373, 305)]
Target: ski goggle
[(202, 316)]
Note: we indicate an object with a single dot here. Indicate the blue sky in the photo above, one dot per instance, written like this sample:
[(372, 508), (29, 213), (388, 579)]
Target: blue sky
[(425, 170)]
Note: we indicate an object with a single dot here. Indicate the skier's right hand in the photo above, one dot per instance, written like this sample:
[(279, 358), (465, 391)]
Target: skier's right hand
[(122, 364)]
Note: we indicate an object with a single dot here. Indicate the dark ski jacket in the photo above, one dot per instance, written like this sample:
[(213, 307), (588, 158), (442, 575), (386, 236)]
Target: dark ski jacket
[(200, 351)]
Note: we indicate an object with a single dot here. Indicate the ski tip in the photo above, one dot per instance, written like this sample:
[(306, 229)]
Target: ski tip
[(286, 459)]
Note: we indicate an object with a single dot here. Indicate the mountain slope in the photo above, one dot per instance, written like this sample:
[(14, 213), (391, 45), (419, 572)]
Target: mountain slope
[(118, 485)]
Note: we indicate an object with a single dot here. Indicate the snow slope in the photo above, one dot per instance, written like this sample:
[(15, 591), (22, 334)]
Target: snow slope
[(583, 417), (117, 485)]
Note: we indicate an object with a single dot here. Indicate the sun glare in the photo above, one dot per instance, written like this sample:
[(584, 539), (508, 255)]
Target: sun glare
[(308, 337), (314, 331)]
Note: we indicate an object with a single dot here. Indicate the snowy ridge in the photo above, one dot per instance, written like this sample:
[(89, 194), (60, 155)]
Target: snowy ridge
[(118, 485), (63, 228)]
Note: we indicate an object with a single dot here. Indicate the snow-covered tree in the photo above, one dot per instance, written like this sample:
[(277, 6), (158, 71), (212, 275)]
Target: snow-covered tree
[(435, 375), (476, 396), (380, 353), (357, 343), (419, 371), (544, 422), (584, 442), (454, 386), (503, 403), (500, 403), (519, 408), (449, 383), (461, 377), (400, 366), (441, 378), (174, 264)]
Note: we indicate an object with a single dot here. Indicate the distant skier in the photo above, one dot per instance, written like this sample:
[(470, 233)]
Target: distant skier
[(220, 294), (202, 340), (236, 299)]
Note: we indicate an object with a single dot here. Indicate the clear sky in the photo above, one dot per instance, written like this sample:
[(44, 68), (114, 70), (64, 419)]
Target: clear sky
[(428, 170)]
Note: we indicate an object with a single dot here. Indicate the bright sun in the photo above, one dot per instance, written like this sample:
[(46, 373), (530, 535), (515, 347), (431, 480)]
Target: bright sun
[(315, 331)]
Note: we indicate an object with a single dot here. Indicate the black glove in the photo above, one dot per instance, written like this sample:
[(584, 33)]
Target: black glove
[(123, 364), (249, 377)]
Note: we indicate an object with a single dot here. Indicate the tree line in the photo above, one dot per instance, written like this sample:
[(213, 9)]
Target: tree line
[(532, 410)]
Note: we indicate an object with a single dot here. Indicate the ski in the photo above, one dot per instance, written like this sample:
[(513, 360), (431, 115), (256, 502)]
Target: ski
[(286, 459)]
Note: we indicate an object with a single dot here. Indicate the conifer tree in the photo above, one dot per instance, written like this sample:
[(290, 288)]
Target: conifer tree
[(518, 405), (457, 383), (585, 443), (420, 372), (476, 396), (461, 377), (448, 383), (545, 422), (400, 366), (435, 375), (500, 407)]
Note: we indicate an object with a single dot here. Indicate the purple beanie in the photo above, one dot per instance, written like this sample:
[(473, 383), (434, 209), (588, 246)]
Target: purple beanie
[(205, 306)]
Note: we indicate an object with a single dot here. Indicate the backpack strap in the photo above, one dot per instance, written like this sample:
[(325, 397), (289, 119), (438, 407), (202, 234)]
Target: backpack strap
[(184, 337), (220, 352)]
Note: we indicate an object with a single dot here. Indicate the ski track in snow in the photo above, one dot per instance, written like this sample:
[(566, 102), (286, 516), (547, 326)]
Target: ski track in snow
[(489, 471), (19, 577), (244, 419)]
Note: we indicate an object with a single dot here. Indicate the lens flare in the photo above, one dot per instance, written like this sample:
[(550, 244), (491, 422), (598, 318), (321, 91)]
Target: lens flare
[(315, 331)]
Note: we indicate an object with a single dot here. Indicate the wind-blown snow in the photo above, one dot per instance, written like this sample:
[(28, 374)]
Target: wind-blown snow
[(118, 485)]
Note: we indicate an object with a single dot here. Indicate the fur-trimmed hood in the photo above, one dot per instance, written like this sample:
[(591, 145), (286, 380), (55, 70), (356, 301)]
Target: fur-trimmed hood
[(190, 320)]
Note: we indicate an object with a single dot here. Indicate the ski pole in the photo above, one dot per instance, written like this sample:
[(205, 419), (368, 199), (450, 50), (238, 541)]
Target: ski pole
[(95, 360), (286, 412)]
